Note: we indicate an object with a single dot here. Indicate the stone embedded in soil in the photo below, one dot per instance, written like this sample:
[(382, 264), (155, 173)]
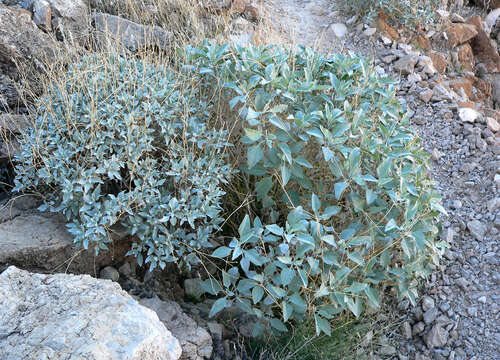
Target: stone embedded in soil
[(426, 95), (193, 288), (109, 273), (406, 64), (389, 59), (460, 83), (477, 229), (369, 32), (441, 94), (126, 269), (418, 328), (216, 329), (387, 350), (340, 30), (385, 40), (429, 70), (436, 155), (430, 315), (427, 303), (406, 329), (437, 337), (456, 18)]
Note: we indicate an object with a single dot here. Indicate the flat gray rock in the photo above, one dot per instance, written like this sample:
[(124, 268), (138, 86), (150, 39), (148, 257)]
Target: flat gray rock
[(39, 241), (195, 341), (111, 29)]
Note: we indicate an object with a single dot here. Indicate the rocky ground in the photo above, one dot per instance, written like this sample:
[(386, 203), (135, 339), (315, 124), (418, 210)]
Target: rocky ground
[(448, 78)]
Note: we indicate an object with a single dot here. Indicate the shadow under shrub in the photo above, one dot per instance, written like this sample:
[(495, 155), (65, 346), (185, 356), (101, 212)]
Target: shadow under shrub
[(340, 204)]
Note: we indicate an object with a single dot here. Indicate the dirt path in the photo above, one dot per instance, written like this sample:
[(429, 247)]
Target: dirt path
[(306, 22), (460, 305)]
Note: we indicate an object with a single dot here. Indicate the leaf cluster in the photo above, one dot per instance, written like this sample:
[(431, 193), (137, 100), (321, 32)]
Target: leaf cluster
[(122, 141), (344, 181)]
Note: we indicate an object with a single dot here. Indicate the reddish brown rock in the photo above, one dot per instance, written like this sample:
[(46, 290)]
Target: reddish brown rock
[(422, 42), (251, 13), (482, 48), (467, 104), (466, 57), (384, 28), (483, 88), (461, 83), (460, 33), (439, 61)]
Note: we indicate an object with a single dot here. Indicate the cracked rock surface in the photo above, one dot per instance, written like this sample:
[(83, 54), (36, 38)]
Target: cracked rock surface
[(77, 317)]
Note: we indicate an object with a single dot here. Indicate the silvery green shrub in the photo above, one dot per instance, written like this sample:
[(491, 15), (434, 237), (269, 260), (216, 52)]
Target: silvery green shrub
[(341, 205), (412, 14), (342, 183), (122, 141)]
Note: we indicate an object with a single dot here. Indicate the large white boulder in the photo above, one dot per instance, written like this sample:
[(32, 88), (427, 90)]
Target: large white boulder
[(77, 317)]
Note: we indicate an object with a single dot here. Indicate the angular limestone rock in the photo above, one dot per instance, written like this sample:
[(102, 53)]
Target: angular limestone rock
[(77, 317)]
